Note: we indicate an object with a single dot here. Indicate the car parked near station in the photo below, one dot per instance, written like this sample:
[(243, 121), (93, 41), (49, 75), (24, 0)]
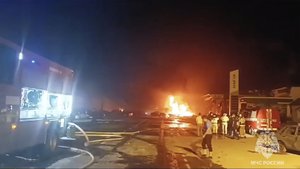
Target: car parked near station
[(289, 137), (81, 116)]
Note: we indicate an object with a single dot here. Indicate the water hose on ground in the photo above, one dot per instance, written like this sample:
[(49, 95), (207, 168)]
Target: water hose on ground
[(77, 150), (82, 131)]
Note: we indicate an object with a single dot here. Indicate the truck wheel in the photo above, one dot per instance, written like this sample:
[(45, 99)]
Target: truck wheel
[(251, 131), (282, 148), (51, 142), (50, 146)]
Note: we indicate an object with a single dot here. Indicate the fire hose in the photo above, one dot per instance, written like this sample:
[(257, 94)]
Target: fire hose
[(113, 136), (81, 130), (77, 150)]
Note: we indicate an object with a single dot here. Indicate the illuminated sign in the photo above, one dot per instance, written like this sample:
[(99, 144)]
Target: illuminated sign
[(234, 82), (233, 91)]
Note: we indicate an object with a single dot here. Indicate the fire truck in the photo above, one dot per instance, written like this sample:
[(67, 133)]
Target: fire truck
[(35, 99), (263, 113), (263, 119)]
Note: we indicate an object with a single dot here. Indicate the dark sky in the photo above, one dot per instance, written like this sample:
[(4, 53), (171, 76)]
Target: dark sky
[(132, 50)]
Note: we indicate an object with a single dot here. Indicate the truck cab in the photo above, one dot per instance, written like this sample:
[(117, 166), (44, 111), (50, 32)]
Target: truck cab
[(35, 99)]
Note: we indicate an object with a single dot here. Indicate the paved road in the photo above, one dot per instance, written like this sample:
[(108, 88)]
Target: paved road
[(178, 148), (31, 159), (146, 149), (132, 151)]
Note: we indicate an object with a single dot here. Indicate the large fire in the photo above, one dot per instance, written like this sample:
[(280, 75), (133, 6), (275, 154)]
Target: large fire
[(178, 108)]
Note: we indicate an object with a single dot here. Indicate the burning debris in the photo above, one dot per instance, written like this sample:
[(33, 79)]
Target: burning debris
[(178, 108)]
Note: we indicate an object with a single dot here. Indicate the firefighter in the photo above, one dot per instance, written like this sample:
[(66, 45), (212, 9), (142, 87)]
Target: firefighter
[(199, 122), (207, 137), (229, 129), (235, 127), (232, 126), (220, 125), (242, 121), (225, 120), (214, 122)]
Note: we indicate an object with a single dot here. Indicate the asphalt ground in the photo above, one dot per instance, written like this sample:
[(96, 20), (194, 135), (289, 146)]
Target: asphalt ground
[(149, 130), (31, 159)]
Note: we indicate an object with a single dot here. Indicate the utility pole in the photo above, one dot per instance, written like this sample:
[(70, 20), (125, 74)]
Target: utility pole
[(162, 142)]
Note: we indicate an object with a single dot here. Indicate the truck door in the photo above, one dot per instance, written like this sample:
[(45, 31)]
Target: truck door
[(262, 119), (32, 127), (7, 131), (269, 119), (275, 119), (272, 119)]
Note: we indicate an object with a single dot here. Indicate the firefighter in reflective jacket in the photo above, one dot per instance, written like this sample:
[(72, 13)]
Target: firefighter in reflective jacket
[(214, 122), (225, 120), (242, 121)]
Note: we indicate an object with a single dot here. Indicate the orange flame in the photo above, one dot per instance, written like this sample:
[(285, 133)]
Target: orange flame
[(178, 109)]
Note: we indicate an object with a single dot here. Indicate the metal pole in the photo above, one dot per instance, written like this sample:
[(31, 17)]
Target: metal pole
[(161, 135), (162, 143)]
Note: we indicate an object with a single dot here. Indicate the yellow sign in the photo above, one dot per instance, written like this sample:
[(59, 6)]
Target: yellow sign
[(234, 82), (233, 91)]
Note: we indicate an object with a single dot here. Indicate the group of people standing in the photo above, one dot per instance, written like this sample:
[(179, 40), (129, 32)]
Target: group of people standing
[(233, 126), (207, 125)]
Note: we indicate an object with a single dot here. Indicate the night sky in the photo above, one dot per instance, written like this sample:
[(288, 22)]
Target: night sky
[(138, 51)]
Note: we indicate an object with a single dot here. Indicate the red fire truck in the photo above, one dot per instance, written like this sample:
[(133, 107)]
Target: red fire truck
[(262, 119), (35, 99), (261, 113)]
